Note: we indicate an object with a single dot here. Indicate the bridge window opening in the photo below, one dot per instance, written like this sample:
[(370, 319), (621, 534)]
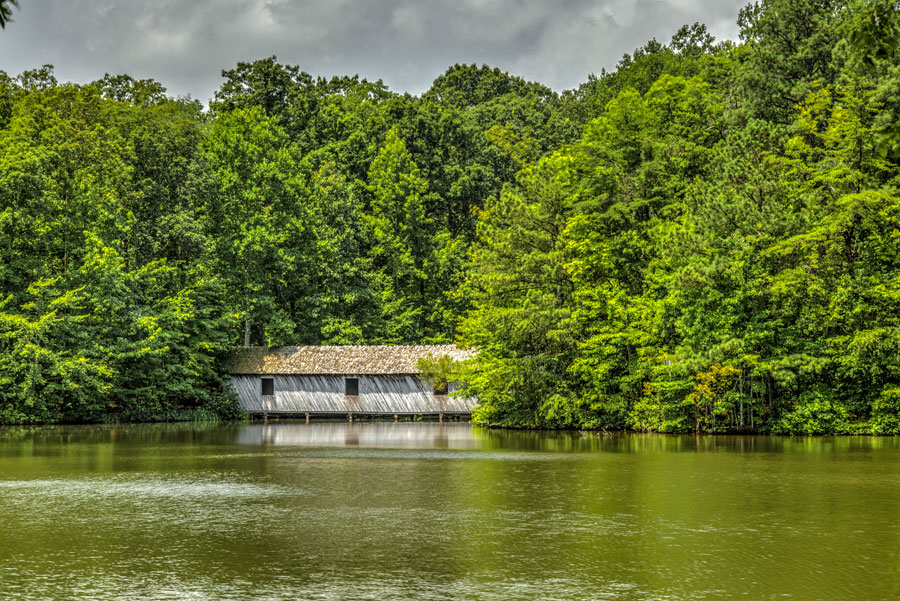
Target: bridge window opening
[(268, 386), (440, 388), (351, 386)]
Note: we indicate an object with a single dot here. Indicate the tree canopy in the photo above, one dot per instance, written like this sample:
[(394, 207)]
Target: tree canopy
[(703, 239)]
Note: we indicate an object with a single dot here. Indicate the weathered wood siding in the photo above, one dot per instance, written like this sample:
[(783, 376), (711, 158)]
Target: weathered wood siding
[(396, 394)]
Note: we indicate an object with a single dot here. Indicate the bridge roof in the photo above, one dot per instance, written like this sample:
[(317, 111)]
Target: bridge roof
[(338, 360)]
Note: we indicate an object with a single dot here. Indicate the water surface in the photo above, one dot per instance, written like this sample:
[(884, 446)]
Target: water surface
[(442, 511)]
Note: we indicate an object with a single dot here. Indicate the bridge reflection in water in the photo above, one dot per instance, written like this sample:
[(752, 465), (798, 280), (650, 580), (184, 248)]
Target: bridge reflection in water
[(366, 434)]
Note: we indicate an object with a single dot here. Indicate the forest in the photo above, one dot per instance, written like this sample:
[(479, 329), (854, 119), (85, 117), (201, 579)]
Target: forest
[(704, 239)]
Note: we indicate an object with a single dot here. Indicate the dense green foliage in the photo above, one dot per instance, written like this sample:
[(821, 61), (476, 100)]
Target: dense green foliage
[(143, 237), (705, 239), (720, 251)]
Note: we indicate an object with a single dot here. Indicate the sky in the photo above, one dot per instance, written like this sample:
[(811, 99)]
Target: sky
[(185, 44)]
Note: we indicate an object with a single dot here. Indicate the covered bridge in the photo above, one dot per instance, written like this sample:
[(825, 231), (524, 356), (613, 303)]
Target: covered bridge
[(318, 380)]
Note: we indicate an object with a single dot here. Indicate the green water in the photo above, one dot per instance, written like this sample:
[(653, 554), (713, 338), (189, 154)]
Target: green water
[(441, 511)]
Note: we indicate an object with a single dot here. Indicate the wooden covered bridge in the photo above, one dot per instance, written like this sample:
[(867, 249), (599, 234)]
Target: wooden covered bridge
[(343, 380)]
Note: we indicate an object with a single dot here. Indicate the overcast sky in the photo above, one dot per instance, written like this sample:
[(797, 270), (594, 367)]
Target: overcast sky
[(185, 44)]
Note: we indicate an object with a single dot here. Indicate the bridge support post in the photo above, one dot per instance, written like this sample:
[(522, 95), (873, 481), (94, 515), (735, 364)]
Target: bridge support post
[(396, 418), (440, 417), (350, 417), (307, 418)]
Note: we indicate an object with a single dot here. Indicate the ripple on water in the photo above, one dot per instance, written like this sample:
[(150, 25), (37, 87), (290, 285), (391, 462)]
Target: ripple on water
[(136, 486), (134, 501), (325, 587)]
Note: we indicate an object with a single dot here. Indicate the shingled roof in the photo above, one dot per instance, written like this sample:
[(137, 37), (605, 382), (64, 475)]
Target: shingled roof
[(336, 360)]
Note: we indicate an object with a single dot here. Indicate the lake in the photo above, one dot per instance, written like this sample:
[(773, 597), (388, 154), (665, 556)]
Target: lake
[(427, 510)]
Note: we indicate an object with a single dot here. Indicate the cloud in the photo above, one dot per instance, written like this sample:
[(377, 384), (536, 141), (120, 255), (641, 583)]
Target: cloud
[(186, 43)]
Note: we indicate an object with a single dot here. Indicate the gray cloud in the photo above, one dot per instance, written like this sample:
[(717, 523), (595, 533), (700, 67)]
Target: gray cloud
[(407, 43)]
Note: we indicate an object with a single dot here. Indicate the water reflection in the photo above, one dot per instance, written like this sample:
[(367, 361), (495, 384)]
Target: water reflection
[(437, 435), (383, 510), (421, 435), (355, 434)]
